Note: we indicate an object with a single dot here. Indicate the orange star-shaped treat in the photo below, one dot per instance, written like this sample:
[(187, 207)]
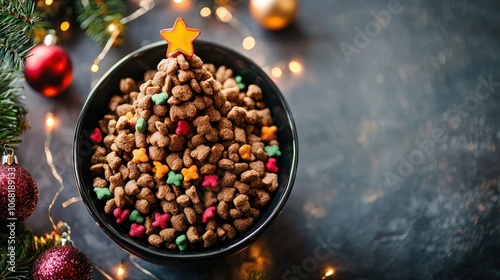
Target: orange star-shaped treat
[(190, 173), (269, 133), (159, 169), (140, 155), (180, 38)]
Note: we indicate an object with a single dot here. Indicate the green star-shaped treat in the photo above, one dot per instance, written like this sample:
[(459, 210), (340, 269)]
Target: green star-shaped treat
[(174, 178), (141, 125), (160, 98), (272, 151), (103, 193), (136, 217), (181, 242)]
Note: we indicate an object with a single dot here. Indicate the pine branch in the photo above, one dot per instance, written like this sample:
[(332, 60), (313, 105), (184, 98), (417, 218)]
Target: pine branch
[(13, 121), (256, 275), (95, 16), (16, 20), (27, 249)]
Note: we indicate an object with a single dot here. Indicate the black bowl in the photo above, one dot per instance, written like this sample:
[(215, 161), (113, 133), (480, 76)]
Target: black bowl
[(134, 65)]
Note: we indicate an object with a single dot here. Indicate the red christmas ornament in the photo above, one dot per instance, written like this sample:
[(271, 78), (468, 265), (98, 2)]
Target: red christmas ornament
[(62, 262), (18, 191), (48, 68)]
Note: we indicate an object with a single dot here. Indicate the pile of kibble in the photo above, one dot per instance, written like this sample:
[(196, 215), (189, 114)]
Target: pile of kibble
[(188, 156)]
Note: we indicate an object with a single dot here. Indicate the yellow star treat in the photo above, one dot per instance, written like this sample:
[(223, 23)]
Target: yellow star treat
[(180, 38)]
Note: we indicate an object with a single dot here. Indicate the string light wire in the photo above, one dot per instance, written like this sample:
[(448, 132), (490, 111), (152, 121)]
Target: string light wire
[(145, 271), (50, 122)]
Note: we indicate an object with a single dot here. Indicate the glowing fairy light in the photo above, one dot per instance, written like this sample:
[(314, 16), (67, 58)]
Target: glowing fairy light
[(120, 271), (94, 68), (49, 2), (64, 25), (178, 1), (205, 12), (50, 121), (276, 72), (328, 273), (248, 43), (295, 66), (223, 14), (111, 27)]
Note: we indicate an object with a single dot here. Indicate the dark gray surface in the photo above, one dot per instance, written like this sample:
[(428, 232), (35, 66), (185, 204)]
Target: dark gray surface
[(398, 173)]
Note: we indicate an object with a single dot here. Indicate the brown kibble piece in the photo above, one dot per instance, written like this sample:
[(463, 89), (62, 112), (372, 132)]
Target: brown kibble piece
[(115, 181), (252, 212), (113, 160), (160, 140), (254, 92), (237, 115), (221, 234), (250, 175), (169, 207), (223, 210), (155, 240), (148, 225), (258, 166), (190, 215), (202, 124), (125, 141), (174, 161), (241, 203), (142, 205), (178, 222), (226, 164), (230, 231), (182, 62), (216, 153), (192, 235), (193, 195), (168, 234), (233, 152), (185, 110), (147, 194), (235, 213), (176, 143), (228, 179), (99, 183), (131, 188), (242, 224), (110, 206), (186, 157), (270, 181), (127, 85), (241, 187), (211, 225), (183, 200), (226, 194), (182, 92), (146, 181), (240, 135), (240, 167), (209, 198), (120, 197), (209, 238), (262, 197), (201, 152)]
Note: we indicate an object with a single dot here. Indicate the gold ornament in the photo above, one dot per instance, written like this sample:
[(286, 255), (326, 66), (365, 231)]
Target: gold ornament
[(273, 14)]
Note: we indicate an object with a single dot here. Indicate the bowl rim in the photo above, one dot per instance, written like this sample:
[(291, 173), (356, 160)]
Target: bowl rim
[(166, 257)]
